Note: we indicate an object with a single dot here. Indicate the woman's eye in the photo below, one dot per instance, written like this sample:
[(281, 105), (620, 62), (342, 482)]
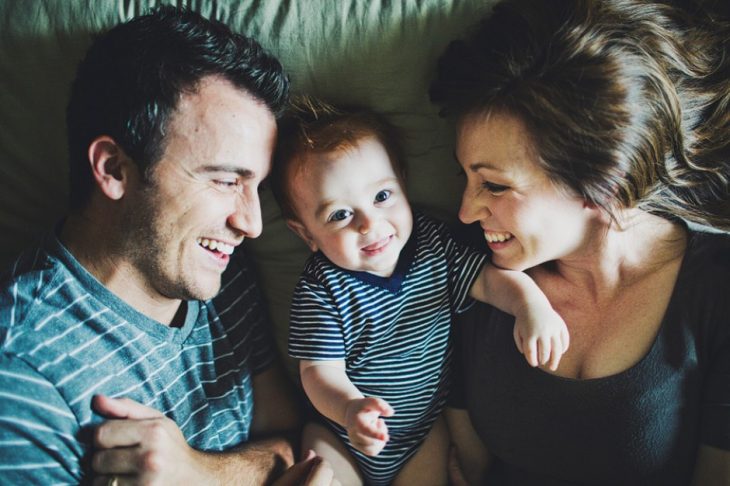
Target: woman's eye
[(494, 188), (382, 196), (339, 215)]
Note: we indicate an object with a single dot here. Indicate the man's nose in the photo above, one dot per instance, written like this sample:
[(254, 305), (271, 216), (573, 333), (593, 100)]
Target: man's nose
[(246, 215)]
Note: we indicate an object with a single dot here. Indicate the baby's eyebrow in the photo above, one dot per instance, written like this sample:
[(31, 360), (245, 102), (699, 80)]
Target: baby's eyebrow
[(323, 207)]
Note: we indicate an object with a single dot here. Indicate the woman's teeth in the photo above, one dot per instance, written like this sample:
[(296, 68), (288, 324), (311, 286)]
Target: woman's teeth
[(494, 237), (215, 245)]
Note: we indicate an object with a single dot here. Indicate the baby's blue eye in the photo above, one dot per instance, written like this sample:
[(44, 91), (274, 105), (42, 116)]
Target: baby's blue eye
[(382, 196), (339, 215)]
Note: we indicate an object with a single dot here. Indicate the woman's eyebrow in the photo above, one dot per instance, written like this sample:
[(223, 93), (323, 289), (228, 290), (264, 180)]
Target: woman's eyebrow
[(478, 165)]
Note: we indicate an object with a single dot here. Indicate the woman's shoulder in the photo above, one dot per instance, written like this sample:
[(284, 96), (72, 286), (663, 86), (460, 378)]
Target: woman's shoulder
[(701, 291), (707, 255)]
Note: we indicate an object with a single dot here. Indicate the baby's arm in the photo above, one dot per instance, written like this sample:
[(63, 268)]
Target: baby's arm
[(540, 333), (334, 396)]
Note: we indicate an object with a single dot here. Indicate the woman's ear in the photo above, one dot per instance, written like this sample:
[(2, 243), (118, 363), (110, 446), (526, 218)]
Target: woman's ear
[(301, 231), (110, 166)]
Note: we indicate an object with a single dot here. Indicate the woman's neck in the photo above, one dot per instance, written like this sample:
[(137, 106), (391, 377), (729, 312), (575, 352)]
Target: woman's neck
[(617, 254)]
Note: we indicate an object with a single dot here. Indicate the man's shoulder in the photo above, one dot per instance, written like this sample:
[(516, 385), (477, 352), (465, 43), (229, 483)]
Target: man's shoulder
[(26, 285), (36, 292)]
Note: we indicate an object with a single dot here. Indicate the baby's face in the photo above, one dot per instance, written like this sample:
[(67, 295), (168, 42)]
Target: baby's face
[(352, 207)]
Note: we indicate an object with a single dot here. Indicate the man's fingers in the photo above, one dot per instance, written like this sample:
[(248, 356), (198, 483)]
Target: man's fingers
[(308, 454), (296, 474), (127, 433), (456, 475), (105, 480), (123, 408), (115, 461), (321, 474)]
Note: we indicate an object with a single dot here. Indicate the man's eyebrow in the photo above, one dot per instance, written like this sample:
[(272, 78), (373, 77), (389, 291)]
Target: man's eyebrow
[(231, 169)]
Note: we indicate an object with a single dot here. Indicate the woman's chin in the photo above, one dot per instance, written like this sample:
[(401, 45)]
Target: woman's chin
[(509, 263)]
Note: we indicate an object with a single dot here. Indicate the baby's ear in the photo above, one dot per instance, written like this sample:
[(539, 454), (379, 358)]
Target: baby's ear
[(301, 231)]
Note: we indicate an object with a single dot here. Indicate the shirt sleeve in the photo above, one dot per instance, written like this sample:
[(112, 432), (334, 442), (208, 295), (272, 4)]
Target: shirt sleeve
[(464, 265), (39, 435), (240, 307), (315, 326), (716, 403)]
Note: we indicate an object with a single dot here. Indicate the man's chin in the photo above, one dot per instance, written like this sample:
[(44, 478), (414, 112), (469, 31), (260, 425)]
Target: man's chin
[(202, 292)]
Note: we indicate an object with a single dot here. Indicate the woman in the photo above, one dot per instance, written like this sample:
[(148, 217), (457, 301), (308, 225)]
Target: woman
[(589, 132)]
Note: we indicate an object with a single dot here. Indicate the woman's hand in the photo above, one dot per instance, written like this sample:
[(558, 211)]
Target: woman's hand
[(365, 427)]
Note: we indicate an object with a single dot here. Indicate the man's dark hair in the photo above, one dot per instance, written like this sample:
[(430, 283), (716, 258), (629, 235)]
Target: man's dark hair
[(133, 76)]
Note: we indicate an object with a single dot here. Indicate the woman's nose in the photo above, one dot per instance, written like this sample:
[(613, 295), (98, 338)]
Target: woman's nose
[(472, 208)]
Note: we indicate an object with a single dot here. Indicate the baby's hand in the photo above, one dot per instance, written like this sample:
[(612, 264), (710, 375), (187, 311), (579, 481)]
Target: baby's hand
[(541, 335), (367, 431)]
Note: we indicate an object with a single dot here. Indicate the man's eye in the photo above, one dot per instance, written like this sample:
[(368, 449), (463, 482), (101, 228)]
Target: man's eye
[(339, 215), (382, 196), (494, 188), (226, 182)]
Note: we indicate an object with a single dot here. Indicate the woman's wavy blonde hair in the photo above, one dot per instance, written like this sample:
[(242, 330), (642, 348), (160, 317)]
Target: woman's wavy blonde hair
[(626, 101)]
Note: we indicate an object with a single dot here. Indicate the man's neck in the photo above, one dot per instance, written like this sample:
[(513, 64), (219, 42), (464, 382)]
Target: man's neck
[(99, 253)]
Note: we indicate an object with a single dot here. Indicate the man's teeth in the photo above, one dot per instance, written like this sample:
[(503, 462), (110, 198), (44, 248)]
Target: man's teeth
[(216, 245), (493, 237)]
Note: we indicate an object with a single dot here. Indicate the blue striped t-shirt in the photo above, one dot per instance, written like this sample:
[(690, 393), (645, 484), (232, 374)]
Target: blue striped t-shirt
[(392, 333), (64, 337)]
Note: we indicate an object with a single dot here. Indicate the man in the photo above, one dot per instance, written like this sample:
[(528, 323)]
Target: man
[(172, 123)]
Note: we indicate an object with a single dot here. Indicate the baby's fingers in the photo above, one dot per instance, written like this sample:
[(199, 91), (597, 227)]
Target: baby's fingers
[(544, 348), (369, 447), (375, 429), (556, 353), (531, 351), (518, 338), (565, 338)]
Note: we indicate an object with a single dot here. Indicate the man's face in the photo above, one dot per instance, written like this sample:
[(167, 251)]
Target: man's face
[(201, 200)]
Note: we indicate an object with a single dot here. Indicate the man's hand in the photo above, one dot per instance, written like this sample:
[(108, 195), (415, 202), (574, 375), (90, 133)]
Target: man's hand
[(541, 335), (139, 445), (367, 431), (311, 471)]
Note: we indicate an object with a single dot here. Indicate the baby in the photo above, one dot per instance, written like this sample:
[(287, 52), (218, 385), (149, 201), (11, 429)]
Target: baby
[(371, 313)]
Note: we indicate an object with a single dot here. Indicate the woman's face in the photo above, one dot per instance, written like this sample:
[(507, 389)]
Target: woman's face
[(527, 220)]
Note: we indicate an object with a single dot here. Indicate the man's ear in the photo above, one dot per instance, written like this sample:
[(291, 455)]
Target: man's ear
[(302, 232), (110, 166)]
